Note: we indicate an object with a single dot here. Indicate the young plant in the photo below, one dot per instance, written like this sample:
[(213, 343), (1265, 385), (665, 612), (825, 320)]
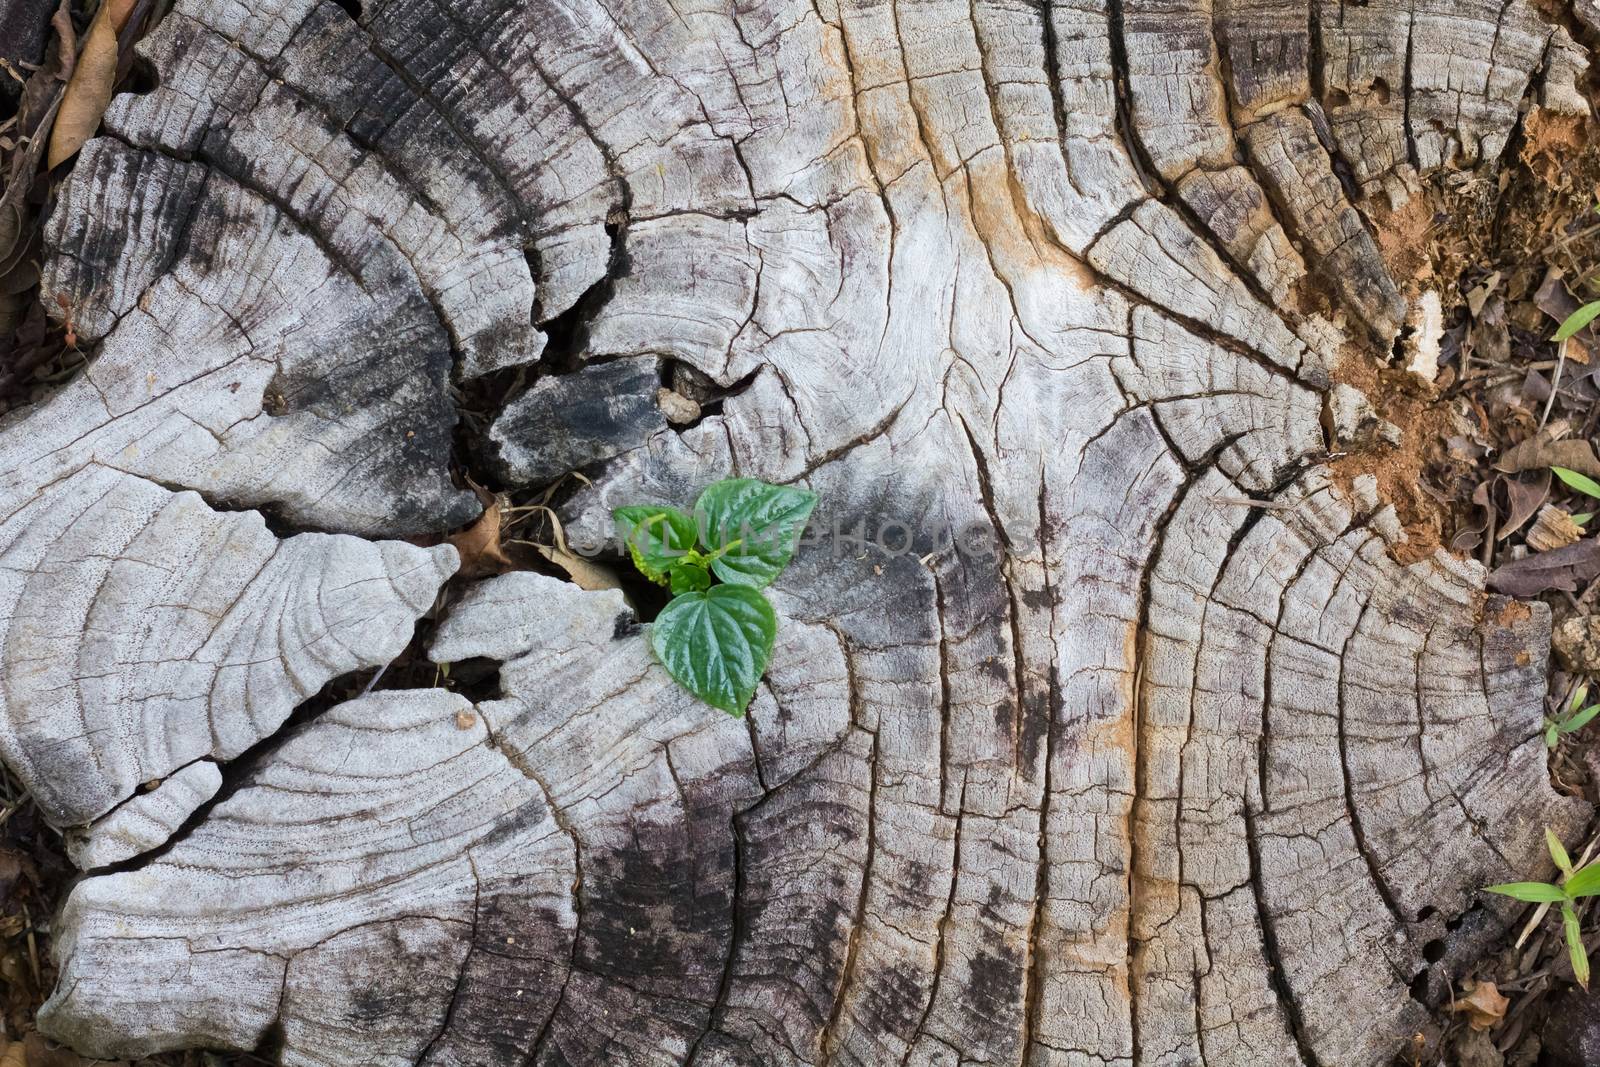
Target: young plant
[(1574, 886), (1576, 718), (1577, 321), (1583, 484), (714, 638)]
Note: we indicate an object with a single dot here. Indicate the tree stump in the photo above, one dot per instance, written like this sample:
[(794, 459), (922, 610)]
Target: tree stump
[(1184, 751)]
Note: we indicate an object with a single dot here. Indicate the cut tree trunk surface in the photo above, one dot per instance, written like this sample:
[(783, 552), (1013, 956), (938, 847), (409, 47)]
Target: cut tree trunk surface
[(1137, 772)]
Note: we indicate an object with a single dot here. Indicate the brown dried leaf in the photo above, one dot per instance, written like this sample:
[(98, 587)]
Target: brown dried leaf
[(584, 574), (1540, 451), (1560, 569), (66, 39), (1555, 301), (1480, 294), (479, 544), (1489, 335), (1483, 1004), (93, 79), (1524, 496)]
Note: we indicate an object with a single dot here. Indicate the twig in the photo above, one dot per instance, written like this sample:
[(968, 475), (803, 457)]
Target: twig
[(375, 678), (33, 949), (1569, 238), (1555, 383)]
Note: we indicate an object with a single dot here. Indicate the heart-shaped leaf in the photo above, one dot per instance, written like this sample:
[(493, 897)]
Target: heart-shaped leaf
[(658, 538), (753, 526), (716, 643), (689, 578)]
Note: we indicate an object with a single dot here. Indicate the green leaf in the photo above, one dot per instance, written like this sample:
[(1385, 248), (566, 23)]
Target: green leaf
[(689, 578), (1582, 518), (1550, 736), (1558, 851), (1586, 883), (716, 643), (1581, 482), (657, 538), (1580, 719), (1578, 320), (753, 526), (1537, 892), (1578, 696), (1575, 949)]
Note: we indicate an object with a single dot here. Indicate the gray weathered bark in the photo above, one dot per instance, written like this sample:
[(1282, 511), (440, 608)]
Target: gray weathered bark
[(1167, 778)]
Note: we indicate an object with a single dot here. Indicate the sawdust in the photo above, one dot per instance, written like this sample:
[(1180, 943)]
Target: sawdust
[(1404, 242), (1425, 420), (1551, 142)]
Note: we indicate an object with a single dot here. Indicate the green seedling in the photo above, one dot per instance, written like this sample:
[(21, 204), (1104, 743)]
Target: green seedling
[(1577, 321), (1574, 886), (1577, 717), (1583, 484), (715, 635)]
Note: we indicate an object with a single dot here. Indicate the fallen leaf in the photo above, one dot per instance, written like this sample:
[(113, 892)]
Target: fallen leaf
[(584, 574), (1560, 569), (1555, 301), (67, 38), (1524, 496), (1489, 335), (1535, 387), (479, 544), (1480, 294), (1483, 1004), (89, 90), (1538, 451), (14, 868), (13, 1054)]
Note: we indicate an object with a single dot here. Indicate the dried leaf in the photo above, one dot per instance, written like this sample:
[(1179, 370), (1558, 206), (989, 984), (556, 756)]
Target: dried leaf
[(479, 544), (1463, 449), (1561, 569), (1480, 294), (1489, 334), (584, 574), (66, 38), (93, 79), (1535, 387), (1553, 529), (1540, 451), (1524, 496), (1483, 1004), (12, 222)]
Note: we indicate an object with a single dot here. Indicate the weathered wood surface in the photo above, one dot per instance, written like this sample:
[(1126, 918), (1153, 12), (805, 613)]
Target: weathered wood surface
[(1160, 779)]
